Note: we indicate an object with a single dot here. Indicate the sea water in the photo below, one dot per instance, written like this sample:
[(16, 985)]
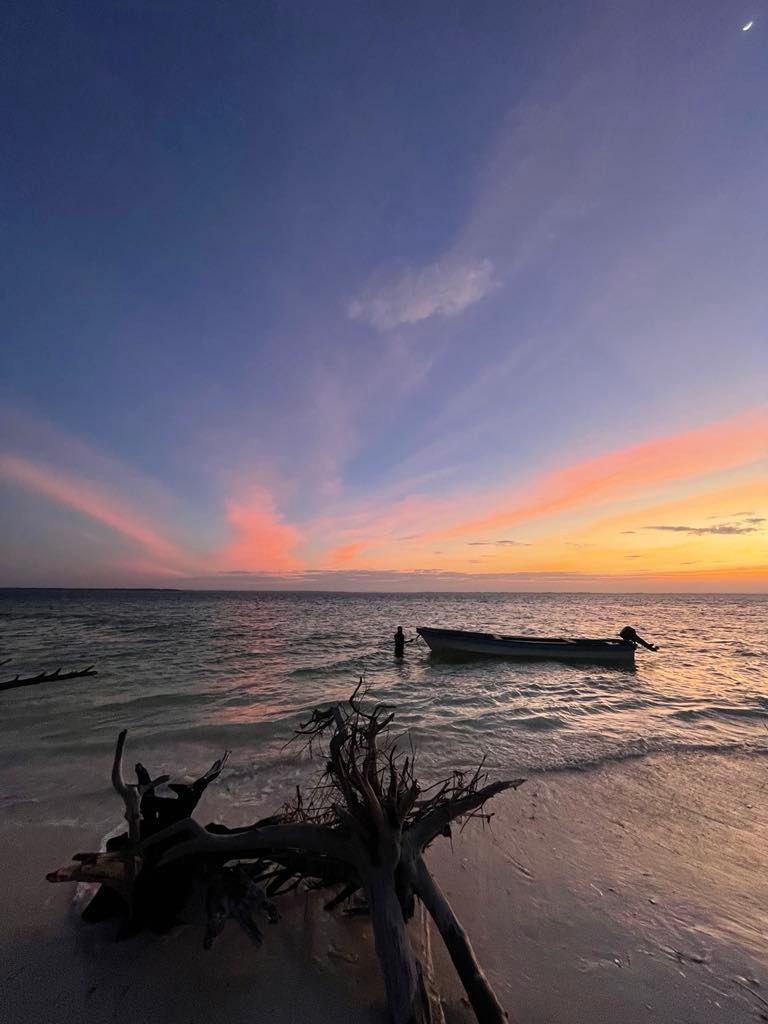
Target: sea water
[(191, 674)]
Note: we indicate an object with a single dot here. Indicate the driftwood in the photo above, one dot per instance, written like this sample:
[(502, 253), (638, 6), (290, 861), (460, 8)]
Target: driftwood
[(47, 677), (364, 827)]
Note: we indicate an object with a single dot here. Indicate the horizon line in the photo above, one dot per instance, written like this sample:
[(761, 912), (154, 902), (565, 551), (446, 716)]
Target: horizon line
[(325, 590)]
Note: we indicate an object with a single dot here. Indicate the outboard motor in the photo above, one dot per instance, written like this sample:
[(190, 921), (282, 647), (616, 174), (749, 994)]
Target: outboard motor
[(630, 636)]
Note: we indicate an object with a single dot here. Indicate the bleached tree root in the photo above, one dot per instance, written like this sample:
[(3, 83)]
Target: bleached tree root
[(365, 826)]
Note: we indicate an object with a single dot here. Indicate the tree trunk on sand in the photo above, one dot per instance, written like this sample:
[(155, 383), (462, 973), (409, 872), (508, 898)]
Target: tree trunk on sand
[(482, 998), (364, 826), (399, 967)]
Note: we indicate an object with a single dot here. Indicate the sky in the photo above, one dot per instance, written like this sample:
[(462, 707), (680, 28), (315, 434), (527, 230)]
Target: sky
[(385, 296)]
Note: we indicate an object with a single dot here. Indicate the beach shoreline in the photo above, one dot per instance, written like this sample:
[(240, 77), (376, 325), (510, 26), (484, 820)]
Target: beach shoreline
[(632, 891)]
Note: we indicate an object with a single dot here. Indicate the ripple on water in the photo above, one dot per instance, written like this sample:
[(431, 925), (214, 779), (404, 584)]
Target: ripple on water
[(190, 674)]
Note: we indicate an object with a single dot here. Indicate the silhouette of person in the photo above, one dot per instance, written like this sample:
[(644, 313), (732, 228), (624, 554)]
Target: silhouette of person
[(629, 636), (400, 642)]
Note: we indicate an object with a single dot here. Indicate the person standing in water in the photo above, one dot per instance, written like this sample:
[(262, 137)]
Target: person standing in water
[(629, 636), (400, 642)]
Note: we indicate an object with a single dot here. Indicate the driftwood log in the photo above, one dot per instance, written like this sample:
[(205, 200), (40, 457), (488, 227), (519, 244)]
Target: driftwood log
[(47, 677), (363, 827)]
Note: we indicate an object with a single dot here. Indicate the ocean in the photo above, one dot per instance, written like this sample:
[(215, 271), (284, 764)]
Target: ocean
[(191, 674)]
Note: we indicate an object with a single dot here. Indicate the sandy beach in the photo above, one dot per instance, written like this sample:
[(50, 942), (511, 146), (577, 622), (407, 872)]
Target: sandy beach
[(633, 892)]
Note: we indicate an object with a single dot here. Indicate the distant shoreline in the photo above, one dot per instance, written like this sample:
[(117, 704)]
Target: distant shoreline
[(389, 593)]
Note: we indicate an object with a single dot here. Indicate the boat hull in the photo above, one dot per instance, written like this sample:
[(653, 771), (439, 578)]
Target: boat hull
[(454, 643)]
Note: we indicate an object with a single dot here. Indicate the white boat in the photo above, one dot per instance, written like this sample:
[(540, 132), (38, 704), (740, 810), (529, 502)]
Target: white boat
[(461, 642)]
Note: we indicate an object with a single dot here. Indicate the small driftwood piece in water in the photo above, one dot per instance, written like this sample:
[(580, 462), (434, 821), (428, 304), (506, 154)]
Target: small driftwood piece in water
[(48, 677), (364, 827)]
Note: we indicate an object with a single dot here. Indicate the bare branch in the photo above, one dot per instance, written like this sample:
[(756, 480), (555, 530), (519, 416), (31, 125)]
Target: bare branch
[(46, 677), (434, 821), (232, 893), (349, 890), (479, 992), (116, 870), (131, 794), (128, 794), (255, 842)]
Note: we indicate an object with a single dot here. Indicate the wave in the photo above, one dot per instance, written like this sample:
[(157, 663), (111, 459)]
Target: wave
[(653, 748), (539, 722), (690, 714), (167, 701), (355, 665), (264, 784)]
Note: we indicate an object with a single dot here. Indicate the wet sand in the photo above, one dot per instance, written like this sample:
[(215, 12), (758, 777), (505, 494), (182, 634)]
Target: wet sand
[(634, 892)]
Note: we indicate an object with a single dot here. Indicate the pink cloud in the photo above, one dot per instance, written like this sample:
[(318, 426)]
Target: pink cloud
[(262, 541), (92, 503), (386, 531), (630, 472), (344, 556), (347, 538), (377, 534)]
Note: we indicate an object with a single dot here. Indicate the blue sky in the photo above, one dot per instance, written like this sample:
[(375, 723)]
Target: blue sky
[(344, 267)]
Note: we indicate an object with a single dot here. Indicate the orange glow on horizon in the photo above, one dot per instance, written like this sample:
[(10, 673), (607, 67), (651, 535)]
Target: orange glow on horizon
[(655, 510), (568, 499)]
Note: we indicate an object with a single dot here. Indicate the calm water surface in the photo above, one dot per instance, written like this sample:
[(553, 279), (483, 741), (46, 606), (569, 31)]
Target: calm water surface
[(190, 674)]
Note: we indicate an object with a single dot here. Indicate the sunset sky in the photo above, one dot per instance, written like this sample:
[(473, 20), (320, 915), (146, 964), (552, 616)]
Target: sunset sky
[(383, 296)]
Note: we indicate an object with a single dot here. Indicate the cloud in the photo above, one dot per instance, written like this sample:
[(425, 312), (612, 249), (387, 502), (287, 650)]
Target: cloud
[(437, 580), (499, 543), (92, 502), (373, 523), (343, 556), (628, 472), (724, 529), (263, 542), (103, 492), (368, 534), (444, 288)]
